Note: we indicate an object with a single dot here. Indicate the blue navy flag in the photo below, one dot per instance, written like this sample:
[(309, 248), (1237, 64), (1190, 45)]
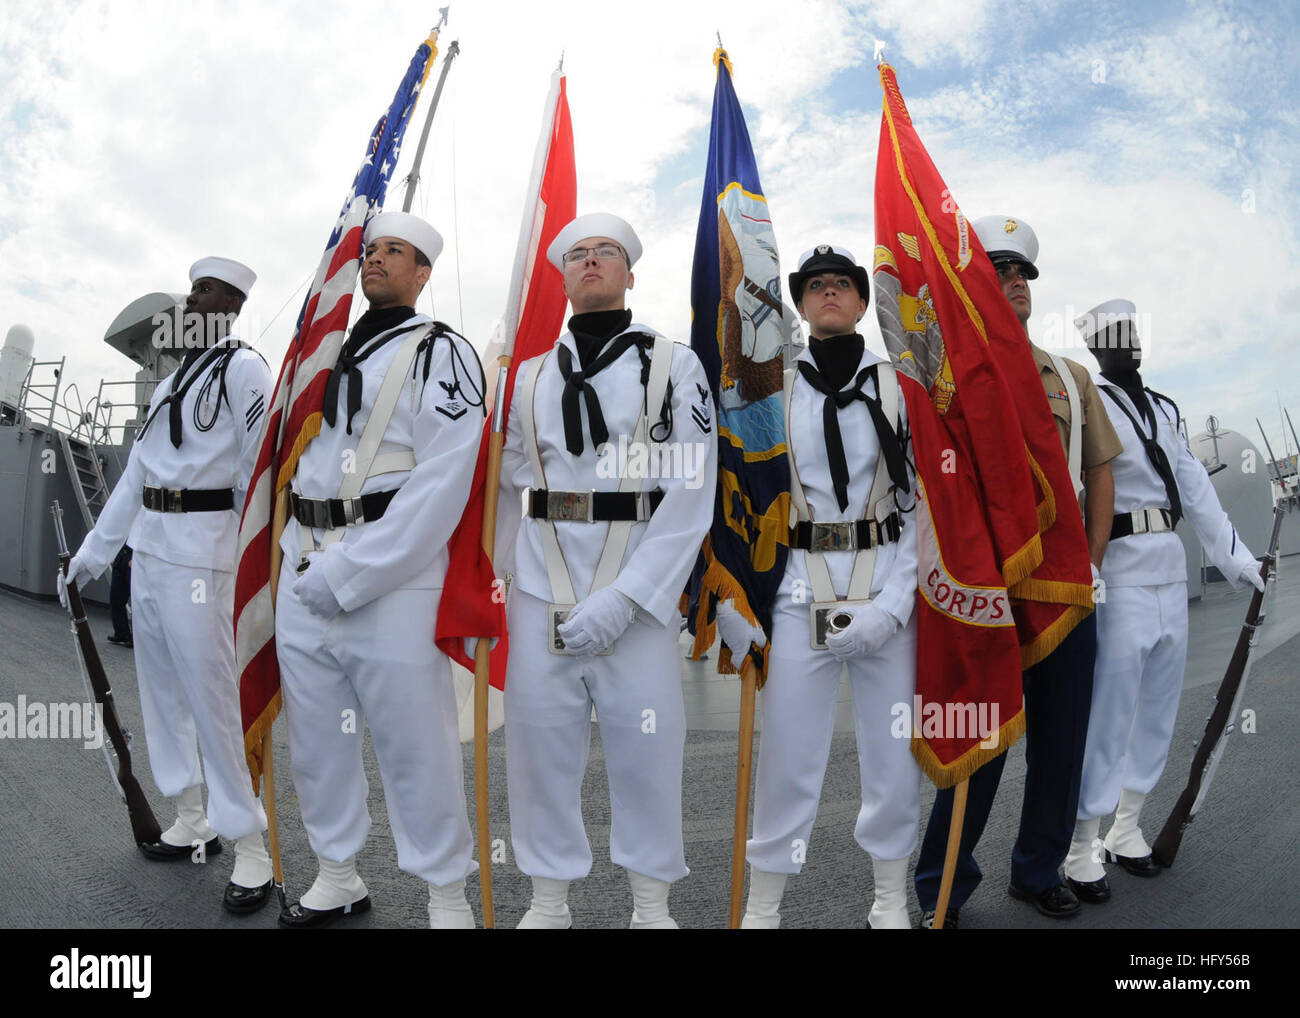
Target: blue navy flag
[(739, 330)]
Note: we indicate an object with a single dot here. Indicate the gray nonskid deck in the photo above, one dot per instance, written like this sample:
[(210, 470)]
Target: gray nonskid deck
[(66, 858)]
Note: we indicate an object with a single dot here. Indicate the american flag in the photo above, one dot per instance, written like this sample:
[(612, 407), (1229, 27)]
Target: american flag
[(296, 412)]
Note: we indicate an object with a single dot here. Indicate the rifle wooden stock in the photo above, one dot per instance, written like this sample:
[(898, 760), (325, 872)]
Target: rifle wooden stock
[(1166, 845), (144, 825)]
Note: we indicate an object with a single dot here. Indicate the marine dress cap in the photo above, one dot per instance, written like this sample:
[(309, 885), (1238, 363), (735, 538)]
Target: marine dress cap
[(595, 224), (1109, 312), (238, 275), (1008, 240), (828, 258), (404, 226)]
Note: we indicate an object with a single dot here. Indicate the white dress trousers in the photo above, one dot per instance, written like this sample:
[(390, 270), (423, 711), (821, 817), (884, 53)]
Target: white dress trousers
[(185, 662), (1138, 680), (378, 665), (637, 693)]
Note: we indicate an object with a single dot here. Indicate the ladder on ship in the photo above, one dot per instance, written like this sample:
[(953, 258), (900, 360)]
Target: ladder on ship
[(88, 483)]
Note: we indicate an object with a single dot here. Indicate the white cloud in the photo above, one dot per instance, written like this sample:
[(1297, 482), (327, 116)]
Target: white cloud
[(138, 139)]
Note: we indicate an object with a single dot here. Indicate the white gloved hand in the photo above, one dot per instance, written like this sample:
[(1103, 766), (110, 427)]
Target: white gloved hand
[(77, 573), (313, 590), (1251, 575), (867, 633), (596, 622), (471, 645), (736, 631), (1098, 586)]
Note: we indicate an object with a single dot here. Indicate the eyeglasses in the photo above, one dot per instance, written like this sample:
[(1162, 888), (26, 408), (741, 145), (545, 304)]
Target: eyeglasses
[(604, 252)]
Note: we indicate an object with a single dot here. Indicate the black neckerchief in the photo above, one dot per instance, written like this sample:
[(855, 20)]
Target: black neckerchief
[(576, 379), (1130, 381), (835, 400), (837, 357), (1155, 454), (194, 366), (593, 329), (369, 325)]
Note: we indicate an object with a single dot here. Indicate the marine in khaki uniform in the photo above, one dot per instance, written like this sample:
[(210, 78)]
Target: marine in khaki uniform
[(1058, 690)]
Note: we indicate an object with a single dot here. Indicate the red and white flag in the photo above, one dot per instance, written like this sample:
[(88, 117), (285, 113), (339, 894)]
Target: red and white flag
[(533, 319)]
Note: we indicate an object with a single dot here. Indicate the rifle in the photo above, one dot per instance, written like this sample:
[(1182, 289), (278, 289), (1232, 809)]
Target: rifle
[(144, 825), (1222, 721)]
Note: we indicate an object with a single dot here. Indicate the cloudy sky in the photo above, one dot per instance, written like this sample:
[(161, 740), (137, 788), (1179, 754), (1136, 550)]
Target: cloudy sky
[(1154, 147)]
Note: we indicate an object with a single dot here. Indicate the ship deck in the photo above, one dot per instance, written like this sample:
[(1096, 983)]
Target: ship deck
[(66, 857)]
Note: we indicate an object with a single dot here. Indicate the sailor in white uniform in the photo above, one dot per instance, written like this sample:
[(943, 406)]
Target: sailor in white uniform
[(613, 431), (178, 505), (852, 568), (1142, 611), (375, 498)]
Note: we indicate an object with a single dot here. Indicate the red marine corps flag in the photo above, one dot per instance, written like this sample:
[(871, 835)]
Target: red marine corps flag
[(1003, 572)]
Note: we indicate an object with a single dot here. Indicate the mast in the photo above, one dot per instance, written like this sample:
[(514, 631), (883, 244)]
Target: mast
[(413, 178)]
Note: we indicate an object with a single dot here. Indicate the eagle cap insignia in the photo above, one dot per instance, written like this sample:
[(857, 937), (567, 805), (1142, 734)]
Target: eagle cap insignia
[(1011, 226), (823, 249)]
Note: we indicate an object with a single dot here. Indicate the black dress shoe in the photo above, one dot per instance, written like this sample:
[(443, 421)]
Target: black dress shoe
[(242, 900), (1056, 902), (299, 917), (161, 851), (1094, 892), (1139, 866), (949, 920), (121, 641)]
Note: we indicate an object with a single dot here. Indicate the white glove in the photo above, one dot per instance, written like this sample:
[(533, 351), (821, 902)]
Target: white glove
[(596, 622), (1098, 586), (1249, 575), (735, 630), (313, 590), (471, 645), (867, 633), (77, 573)]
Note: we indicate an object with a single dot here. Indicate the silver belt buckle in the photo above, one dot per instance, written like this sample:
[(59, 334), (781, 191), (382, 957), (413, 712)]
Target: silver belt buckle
[(570, 506), (353, 512), (829, 617), (826, 537), (1145, 522), (555, 615), (175, 495)]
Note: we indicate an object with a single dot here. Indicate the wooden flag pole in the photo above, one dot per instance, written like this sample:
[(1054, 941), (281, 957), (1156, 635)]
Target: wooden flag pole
[(272, 820), (482, 665), (748, 695), (954, 845), (279, 515)]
